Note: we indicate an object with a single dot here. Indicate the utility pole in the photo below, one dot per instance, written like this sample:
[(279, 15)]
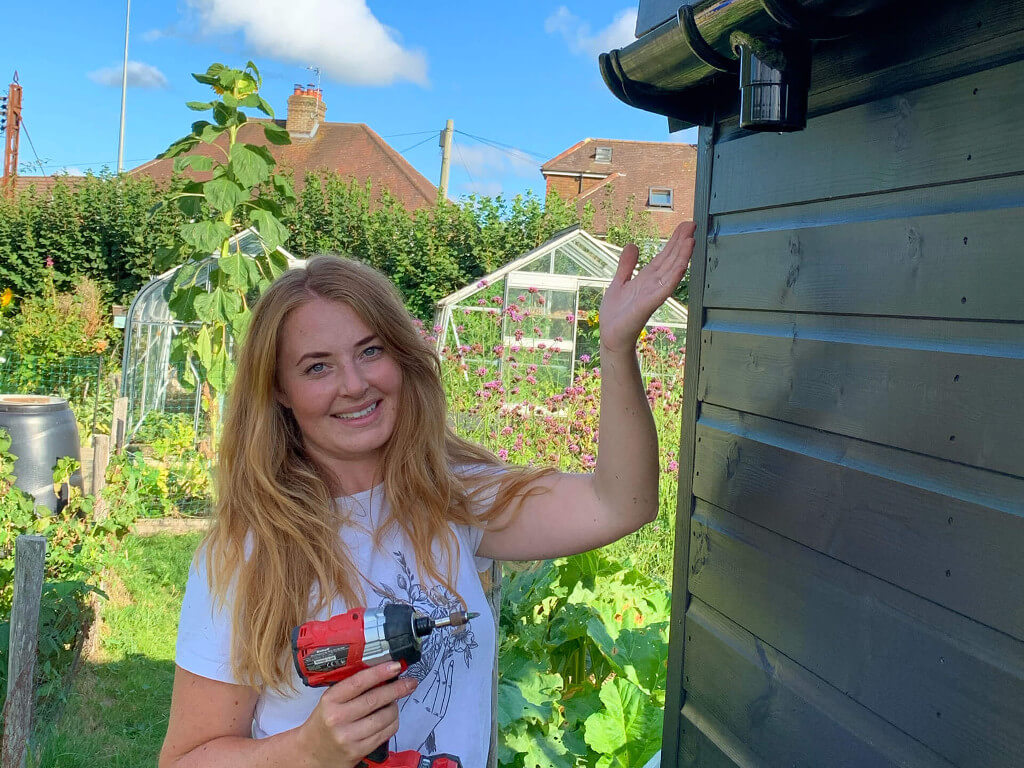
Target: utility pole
[(10, 125), (446, 156), (124, 89)]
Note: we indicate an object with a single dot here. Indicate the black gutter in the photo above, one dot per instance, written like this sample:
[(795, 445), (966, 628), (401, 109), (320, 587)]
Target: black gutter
[(679, 68)]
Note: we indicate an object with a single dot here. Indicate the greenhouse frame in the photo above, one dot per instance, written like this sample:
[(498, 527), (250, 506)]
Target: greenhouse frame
[(546, 303), (151, 381)]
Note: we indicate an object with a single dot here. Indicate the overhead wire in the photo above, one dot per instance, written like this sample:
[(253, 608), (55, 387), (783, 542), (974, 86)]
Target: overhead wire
[(403, 151), (412, 133), (32, 144), (508, 149), (463, 160)]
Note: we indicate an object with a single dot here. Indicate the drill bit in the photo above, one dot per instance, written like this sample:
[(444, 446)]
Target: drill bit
[(457, 619)]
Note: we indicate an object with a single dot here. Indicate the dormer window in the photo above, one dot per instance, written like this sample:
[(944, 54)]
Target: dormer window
[(603, 155), (659, 197)]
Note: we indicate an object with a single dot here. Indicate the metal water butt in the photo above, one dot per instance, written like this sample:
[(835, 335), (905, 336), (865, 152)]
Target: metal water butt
[(42, 430)]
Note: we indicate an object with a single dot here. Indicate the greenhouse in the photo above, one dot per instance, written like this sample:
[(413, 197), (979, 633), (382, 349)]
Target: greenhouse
[(540, 311), (153, 382)]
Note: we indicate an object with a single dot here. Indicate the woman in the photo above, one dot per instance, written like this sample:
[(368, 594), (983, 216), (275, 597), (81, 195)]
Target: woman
[(337, 467)]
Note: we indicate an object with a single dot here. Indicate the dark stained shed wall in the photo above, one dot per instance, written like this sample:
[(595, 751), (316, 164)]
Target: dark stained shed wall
[(851, 583)]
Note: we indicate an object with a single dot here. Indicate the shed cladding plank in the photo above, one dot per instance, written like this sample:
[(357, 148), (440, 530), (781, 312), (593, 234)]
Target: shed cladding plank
[(945, 389), (952, 251), (784, 714), (889, 144), (943, 679), (921, 523)]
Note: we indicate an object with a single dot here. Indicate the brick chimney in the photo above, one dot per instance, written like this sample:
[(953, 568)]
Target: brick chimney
[(306, 110)]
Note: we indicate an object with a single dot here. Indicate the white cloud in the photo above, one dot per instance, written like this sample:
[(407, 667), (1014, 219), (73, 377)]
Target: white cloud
[(342, 37), (483, 160), (69, 170), (152, 35), (577, 33), (139, 76)]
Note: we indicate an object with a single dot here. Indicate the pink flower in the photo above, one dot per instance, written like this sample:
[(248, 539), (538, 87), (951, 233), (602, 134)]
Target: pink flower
[(482, 284), (49, 262), (481, 371), (437, 328), (584, 358), (503, 454), (673, 466), (481, 302), (570, 318)]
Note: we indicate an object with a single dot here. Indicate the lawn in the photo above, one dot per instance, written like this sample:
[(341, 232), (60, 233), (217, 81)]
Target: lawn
[(116, 712)]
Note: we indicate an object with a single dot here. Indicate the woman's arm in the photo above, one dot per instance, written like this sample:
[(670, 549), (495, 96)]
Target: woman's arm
[(210, 724), (576, 513)]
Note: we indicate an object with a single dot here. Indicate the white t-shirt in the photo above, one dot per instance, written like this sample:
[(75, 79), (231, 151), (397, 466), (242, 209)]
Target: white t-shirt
[(449, 712)]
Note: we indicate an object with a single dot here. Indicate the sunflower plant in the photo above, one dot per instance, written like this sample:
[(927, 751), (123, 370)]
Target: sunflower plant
[(233, 195)]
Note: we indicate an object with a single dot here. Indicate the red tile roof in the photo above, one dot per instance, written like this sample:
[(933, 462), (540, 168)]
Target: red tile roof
[(635, 167), (40, 185), (351, 149)]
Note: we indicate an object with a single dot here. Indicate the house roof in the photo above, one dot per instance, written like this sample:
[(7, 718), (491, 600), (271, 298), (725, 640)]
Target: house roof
[(635, 167), (351, 149), (41, 185)]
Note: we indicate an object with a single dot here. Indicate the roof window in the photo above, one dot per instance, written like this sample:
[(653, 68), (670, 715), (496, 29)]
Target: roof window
[(603, 155), (659, 197)]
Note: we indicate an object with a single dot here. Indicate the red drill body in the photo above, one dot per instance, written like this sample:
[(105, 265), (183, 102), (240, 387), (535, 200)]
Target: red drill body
[(327, 652)]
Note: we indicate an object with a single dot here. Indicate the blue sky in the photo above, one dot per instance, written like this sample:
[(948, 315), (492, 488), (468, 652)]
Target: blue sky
[(520, 76)]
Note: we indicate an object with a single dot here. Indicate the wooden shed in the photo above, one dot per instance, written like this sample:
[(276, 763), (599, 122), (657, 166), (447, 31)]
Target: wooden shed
[(849, 576)]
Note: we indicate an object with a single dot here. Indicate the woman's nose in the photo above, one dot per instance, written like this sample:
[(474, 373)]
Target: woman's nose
[(352, 382)]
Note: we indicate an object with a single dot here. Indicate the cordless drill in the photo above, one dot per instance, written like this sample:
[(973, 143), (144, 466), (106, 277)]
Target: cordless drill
[(327, 652)]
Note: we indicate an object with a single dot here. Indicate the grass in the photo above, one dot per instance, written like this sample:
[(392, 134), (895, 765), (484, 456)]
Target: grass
[(116, 712)]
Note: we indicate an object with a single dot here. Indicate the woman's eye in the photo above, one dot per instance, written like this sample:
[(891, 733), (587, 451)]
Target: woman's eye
[(373, 351), (316, 368)]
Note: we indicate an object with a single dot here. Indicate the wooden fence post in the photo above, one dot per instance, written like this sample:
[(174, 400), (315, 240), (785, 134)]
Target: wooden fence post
[(119, 423), (100, 458), (29, 559)]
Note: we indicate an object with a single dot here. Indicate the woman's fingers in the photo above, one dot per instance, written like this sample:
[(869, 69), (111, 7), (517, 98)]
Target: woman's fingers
[(628, 258)]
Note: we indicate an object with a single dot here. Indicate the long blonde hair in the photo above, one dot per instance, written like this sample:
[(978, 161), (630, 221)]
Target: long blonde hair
[(275, 533)]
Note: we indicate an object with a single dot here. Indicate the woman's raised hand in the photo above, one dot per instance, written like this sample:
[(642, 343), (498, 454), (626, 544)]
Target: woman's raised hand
[(355, 716), (630, 300)]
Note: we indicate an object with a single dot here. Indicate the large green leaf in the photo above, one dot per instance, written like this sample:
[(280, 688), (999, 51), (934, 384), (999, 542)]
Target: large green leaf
[(249, 166), (195, 162), (224, 194), (205, 236), (272, 231), (221, 371), (217, 306), (512, 705), (627, 733), (204, 346), (541, 746), (637, 654), (276, 134), (240, 269), (179, 147), (199, 106)]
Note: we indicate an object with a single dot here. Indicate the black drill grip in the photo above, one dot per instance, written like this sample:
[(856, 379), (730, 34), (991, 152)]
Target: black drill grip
[(378, 756)]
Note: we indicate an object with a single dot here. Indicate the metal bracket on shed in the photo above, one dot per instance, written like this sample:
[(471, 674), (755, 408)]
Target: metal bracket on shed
[(699, 46), (695, 108)]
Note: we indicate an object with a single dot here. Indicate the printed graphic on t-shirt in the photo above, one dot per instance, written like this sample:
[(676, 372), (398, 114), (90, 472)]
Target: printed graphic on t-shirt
[(442, 650)]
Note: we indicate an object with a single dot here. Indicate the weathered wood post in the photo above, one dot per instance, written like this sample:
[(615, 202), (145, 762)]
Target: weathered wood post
[(100, 458), (29, 559), (119, 423)]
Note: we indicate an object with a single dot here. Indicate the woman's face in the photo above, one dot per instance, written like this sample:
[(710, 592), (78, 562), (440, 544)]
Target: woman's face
[(342, 385)]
